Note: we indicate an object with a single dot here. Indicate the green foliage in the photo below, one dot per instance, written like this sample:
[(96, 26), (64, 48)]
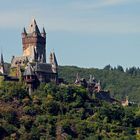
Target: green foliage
[(11, 90), (63, 111), (120, 83)]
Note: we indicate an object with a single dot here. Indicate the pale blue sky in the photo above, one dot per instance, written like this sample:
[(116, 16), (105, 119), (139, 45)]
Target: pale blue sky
[(85, 33)]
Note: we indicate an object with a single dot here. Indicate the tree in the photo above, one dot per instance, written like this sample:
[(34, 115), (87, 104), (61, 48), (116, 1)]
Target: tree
[(108, 67), (120, 68)]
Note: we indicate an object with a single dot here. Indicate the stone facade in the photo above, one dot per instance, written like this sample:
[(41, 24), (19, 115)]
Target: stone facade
[(32, 66), (34, 43)]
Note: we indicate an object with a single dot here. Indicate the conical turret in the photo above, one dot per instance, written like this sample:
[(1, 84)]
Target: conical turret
[(2, 67), (2, 60), (51, 58), (53, 62), (43, 33), (24, 31)]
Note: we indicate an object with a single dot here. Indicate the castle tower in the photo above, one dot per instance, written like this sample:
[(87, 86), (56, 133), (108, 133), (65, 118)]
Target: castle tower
[(34, 43), (2, 67)]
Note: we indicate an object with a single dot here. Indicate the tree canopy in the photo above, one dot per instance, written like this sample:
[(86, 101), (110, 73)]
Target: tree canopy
[(63, 112)]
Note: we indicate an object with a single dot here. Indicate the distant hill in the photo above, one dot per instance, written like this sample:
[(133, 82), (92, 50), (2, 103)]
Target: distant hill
[(120, 83)]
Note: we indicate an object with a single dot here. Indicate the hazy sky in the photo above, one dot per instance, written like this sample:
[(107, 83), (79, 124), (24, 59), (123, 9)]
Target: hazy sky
[(85, 33)]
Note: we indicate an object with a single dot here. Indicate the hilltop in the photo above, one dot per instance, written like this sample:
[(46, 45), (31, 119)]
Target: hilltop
[(120, 83)]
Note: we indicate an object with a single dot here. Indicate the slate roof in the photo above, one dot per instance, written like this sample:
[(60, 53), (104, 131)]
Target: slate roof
[(43, 67)]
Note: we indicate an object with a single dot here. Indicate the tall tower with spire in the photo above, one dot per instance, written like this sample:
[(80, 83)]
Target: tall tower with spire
[(33, 59), (34, 43)]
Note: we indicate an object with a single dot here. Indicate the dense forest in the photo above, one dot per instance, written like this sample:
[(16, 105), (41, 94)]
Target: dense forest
[(119, 82), (68, 111), (63, 112)]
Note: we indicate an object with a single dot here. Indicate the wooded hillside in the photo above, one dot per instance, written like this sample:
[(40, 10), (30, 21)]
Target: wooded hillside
[(120, 83)]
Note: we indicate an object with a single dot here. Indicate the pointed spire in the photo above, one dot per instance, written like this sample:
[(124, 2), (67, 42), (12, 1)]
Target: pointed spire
[(2, 60), (51, 58), (54, 59), (53, 62), (43, 33), (2, 67), (34, 21), (33, 28), (24, 31)]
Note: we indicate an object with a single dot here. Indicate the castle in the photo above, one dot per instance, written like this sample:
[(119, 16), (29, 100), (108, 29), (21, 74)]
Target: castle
[(32, 67)]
